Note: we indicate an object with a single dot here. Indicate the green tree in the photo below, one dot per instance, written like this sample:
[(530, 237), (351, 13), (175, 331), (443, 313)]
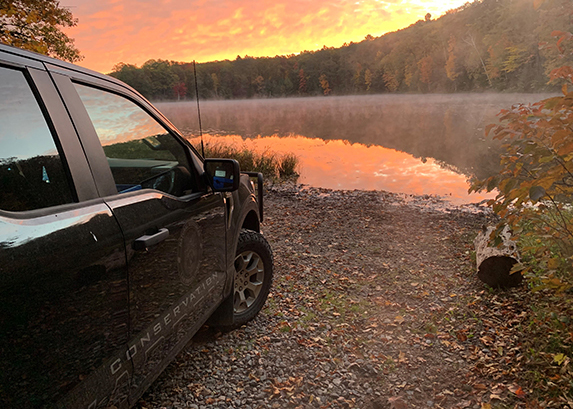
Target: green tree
[(216, 83), (161, 78), (515, 58), (133, 76), (36, 25)]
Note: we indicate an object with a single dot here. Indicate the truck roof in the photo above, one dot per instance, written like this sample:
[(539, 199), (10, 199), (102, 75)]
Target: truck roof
[(45, 60)]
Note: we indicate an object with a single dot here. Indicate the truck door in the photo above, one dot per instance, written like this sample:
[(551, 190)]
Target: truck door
[(63, 276), (174, 231)]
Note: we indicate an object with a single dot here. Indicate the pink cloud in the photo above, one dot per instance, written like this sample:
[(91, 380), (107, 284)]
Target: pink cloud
[(133, 31)]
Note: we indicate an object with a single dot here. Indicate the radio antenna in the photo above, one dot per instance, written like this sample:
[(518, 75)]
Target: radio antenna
[(198, 109)]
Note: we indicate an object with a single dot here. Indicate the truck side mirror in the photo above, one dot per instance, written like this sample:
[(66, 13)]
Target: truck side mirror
[(222, 174)]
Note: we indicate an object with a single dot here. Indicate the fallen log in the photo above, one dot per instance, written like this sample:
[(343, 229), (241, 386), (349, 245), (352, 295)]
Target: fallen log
[(493, 263)]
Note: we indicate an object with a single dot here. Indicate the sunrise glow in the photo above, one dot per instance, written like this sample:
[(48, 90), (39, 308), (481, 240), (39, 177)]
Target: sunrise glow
[(343, 165), (134, 31)]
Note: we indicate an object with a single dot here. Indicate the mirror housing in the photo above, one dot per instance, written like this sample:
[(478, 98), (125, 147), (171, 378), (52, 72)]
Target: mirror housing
[(153, 143), (223, 175)]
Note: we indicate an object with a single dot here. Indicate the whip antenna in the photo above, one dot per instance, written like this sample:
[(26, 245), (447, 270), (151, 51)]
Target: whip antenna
[(198, 109)]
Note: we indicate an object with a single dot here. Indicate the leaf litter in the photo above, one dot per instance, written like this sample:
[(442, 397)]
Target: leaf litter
[(376, 304)]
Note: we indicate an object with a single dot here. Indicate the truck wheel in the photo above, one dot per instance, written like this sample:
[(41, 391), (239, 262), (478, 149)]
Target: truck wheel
[(253, 276)]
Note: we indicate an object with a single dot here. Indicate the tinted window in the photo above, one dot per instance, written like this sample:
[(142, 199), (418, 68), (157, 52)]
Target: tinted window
[(140, 152), (31, 172)]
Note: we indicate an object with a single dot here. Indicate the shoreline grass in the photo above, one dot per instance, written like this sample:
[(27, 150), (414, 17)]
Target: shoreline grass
[(272, 165)]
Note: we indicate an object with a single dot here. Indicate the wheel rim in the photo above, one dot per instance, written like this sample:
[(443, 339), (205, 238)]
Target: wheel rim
[(249, 276)]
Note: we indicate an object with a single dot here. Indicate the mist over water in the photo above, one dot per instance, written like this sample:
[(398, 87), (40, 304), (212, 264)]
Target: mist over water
[(446, 129)]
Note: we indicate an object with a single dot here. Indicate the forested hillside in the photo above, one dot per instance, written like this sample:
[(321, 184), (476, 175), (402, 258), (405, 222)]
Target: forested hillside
[(485, 45)]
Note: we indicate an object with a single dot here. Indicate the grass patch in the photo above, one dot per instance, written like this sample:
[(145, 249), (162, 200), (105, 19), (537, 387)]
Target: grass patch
[(548, 340), (547, 330), (272, 165)]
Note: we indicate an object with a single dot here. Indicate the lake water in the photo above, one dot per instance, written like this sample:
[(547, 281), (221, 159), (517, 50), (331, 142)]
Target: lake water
[(412, 144)]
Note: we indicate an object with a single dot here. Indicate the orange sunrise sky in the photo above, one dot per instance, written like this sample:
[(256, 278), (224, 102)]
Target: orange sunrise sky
[(134, 31)]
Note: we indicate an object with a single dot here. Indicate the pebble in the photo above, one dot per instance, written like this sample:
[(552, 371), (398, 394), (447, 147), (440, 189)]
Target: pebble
[(313, 364)]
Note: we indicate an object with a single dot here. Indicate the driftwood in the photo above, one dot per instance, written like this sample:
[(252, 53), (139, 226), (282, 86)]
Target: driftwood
[(494, 264)]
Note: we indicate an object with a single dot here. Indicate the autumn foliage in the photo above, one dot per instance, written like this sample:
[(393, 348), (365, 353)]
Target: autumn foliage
[(535, 184), (482, 45), (36, 25)]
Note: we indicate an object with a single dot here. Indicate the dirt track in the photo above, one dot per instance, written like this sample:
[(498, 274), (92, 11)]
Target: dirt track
[(375, 304)]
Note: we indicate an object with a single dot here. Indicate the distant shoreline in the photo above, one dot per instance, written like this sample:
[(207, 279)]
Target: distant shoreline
[(543, 94)]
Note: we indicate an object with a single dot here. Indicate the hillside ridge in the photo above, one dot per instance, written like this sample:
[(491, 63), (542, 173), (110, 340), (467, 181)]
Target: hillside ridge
[(483, 45)]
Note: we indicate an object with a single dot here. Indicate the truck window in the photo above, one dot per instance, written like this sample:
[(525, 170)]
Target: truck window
[(140, 152), (32, 174)]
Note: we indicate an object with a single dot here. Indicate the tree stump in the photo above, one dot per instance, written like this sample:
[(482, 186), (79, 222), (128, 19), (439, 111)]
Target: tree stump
[(494, 264)]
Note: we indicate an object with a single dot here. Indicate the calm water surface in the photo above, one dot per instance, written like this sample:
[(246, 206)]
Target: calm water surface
[(414, 144)]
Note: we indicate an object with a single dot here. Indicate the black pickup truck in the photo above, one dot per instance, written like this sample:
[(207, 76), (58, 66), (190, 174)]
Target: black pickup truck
[(118, 241)]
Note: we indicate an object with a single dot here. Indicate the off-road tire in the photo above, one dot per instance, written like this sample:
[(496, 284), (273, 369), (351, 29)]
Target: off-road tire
[(253, 276)]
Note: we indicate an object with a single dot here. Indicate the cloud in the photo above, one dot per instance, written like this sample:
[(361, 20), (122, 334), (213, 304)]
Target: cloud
[(134, 31)]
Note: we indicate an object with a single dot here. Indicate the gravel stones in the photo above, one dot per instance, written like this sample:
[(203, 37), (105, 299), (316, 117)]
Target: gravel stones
[(344, 325)]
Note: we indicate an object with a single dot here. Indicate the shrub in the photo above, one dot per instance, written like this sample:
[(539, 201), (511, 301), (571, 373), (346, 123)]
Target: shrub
[(270, 164), (535, 183)]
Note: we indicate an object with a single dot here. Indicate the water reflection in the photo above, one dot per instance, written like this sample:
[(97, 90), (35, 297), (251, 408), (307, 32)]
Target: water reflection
[(24, 133), (343, 165), (447, 128), (117, 119)]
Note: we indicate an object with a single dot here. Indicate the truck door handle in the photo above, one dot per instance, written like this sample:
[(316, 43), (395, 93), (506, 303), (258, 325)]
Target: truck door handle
[(229, 208), (147, 241)]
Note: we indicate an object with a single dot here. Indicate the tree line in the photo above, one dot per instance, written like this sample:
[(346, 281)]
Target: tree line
[(484, 45)]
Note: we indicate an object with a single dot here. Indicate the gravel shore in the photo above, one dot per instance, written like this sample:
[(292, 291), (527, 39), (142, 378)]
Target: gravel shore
[(364, 311)]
